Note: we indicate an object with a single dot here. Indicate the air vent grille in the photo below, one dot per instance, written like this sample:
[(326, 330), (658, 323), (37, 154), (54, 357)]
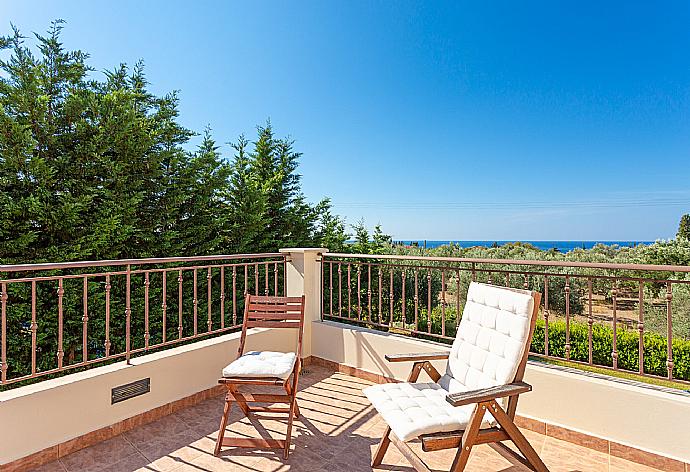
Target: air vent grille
[(130, 390)]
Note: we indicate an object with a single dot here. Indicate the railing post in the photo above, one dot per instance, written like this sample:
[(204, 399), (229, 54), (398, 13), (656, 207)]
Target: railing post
[(107, 343), (147, 334), (128, 313), (669, 330), (614, 322), (3, 337), (84, 318), (304, 278), (567, 318), (60, 351)]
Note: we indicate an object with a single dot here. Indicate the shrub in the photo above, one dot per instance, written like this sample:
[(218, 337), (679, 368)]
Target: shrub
[(627, 346)]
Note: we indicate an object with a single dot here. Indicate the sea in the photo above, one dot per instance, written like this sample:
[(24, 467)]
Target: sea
[(561, 246)]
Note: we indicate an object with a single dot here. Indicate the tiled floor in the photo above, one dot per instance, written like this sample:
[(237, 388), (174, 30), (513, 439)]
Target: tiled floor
[(338, 431)]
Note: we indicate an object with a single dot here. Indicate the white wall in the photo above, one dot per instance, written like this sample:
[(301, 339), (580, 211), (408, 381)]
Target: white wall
[(47, 413), (636, 416)]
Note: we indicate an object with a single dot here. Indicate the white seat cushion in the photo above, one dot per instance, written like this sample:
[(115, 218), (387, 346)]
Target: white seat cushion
[(413, 409), (262, 364)]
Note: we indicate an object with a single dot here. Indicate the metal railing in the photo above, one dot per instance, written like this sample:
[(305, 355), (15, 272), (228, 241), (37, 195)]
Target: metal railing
[(61, 316), (587, 310)]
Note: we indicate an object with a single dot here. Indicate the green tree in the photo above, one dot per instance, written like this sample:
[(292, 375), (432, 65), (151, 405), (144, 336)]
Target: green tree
[(246, 200), (381, 241), (202, 213), (362, 244), (97, 167), (684, 227), (290, 219), (331, 232)]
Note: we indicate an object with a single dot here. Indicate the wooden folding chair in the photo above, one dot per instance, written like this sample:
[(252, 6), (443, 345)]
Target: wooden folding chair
[(264, 368), (467, 406)]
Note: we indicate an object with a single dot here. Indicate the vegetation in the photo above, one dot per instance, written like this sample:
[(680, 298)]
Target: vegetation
[(673, 252), (94, 169), (101, 169), (684, 228), (627, 347)]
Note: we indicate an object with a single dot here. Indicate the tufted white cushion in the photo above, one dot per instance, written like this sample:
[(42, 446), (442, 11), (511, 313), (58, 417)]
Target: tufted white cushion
[(412, 409), (262, 364), (491, 338), (487, 351)]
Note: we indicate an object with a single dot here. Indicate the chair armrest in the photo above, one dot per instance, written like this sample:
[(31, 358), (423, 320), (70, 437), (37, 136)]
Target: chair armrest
[(419, 356), (486, 394)]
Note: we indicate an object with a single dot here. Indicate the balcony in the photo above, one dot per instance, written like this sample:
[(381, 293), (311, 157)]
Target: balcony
[(174, 321)]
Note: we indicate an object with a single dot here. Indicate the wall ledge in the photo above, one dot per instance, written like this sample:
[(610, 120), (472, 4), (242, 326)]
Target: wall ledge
[(70, 378)]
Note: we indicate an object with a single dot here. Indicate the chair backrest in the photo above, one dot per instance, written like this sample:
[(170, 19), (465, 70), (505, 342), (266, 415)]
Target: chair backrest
[(273, 312), (493, 338)]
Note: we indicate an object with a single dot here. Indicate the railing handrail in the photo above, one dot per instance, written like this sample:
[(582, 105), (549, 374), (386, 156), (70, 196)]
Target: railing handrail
[(124, 262), (222, 280), (526, 262), (408, 307)]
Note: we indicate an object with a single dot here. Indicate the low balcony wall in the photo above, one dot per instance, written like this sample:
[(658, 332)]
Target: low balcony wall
[(605, 413), (44, 415)]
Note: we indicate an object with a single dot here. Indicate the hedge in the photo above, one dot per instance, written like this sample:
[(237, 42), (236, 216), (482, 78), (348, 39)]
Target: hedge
[(602, 346)]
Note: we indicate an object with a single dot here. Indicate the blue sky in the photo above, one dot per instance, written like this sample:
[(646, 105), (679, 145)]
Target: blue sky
[(485, 120)]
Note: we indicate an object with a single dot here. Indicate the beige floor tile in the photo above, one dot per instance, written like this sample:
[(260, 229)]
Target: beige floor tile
[(171, 452), (55, 466), (561, 456), (99, 455), (155, 431), (621, 465)]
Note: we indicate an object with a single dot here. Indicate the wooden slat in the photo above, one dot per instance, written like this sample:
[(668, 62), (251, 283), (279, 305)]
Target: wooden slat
[(440, 441), (274, 300), (453, 439), (262, 398), (280, 308), (254, 443), (417, 356), (431, 371), (268, 409), (274, 316), (486, 394), (273, 324), (250, 381), (491, 436)]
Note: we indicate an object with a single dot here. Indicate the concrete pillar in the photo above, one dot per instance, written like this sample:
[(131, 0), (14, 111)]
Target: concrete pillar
[(304, 277)]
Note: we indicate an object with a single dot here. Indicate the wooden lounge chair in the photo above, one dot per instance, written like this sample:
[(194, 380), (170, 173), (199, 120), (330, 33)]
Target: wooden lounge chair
[(474, 402), (264, 368)]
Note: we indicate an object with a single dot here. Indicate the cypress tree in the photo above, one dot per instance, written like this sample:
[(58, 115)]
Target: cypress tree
[(684, 228), (247, 204)]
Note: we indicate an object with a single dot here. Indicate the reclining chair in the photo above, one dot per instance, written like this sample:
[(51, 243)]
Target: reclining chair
[(474, 402)]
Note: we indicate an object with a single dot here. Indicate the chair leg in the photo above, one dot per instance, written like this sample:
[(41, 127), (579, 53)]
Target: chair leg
[(383, 447), (288, 434), (288, 389), (468, 438), (517, 437), (243, 406), (223, 424)]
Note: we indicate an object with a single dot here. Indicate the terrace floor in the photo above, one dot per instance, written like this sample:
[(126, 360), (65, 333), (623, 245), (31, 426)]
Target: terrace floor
[(338, 431)]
